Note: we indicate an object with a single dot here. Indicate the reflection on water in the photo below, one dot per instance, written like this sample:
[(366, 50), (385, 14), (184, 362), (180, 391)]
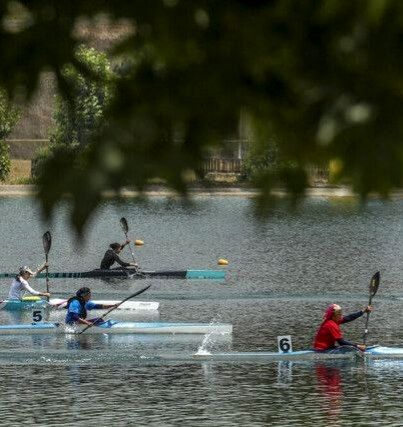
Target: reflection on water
[(329, 385)]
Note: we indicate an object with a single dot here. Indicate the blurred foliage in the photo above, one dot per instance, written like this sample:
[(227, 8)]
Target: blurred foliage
[(77, 122), (259, 158), (9, 115), (324, 76), (5, 162)]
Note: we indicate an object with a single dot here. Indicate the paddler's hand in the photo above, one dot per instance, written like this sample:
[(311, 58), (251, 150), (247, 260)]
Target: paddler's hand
[(46, 264), (361, 347), (127, 242), (45, 294), (367, 309)]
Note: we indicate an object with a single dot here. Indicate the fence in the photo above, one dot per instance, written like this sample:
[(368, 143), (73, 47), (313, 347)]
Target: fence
[(318, 174), (215, 164)]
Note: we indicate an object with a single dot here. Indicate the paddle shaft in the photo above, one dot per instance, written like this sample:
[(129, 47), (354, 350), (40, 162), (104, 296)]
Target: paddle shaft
[(47, 243), (130, 247), (373, 289), (125, 228), (116, 306), (367, 320), (47, 277)]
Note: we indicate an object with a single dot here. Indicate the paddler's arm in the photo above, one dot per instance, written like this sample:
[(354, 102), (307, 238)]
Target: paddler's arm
[(84, 321), (102, 306), (93, 306), (125, 243), (33, 291), (344, 342), (40, 269), (75, 318), (131, 264), (353, 316), (119, 261)]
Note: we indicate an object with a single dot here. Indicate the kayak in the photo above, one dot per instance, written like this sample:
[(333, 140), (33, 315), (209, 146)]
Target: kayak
[(373, 352), (132, 274), (35, 303), (117, 327)]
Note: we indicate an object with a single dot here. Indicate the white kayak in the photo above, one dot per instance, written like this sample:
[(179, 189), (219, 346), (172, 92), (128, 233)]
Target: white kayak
[(34, 303), (373, 352), (117, 327), (127, 305)]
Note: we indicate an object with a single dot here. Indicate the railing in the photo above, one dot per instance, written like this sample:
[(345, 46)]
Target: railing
[(318, 174), (215, 164)]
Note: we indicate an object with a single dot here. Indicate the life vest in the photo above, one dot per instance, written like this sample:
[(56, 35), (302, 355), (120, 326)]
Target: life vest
[(83, 310)]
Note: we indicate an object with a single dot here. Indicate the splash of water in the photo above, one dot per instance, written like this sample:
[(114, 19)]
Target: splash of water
[(207, 340), (202, 350)]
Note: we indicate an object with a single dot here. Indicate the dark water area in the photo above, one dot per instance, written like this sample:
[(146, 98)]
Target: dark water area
[(281, 276)]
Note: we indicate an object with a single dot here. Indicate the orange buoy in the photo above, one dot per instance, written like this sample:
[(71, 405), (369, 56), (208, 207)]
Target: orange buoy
[(222, 261), (139, 242)]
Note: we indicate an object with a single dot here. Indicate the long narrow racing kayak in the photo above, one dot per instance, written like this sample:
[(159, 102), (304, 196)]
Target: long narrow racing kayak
[(373, 352), (35, 303), (118, 327), (132, 274)]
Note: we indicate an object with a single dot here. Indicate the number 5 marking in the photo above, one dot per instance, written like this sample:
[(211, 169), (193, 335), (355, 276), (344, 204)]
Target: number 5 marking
[(37, 316)]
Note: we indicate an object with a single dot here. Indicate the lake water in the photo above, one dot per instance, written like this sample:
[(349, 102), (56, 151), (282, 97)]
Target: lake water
[(281, 276)]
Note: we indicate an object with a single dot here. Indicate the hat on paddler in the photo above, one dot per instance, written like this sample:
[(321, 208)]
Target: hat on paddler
[(25, 269), (330, 311)]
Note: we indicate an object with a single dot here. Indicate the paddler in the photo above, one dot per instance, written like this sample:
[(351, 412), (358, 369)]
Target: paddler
[(78, 305), (111, 256), (329, 333), (20, 283)]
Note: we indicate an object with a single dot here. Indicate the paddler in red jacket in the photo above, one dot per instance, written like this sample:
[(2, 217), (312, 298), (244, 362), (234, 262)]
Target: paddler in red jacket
[(329, 332)]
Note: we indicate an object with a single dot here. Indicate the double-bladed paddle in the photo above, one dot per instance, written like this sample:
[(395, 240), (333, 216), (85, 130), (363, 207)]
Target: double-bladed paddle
[(373, 288), (117, 305), (47, 243), (125, 228)]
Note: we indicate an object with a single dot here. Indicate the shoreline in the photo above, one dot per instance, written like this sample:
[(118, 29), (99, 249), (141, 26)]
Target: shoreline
[(236, 191)]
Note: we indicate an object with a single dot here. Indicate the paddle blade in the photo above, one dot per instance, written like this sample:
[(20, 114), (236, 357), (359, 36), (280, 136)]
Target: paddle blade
[(374, 284), (47, 242), (124, 225)]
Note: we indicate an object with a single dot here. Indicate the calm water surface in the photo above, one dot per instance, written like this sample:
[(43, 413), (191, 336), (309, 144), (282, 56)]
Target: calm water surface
[(282, 275)]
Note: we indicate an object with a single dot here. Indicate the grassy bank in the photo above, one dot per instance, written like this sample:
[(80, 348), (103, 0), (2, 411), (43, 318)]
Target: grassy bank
[(20, 172)]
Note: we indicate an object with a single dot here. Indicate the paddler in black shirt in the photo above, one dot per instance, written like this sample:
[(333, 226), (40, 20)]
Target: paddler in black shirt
[(111, 256)]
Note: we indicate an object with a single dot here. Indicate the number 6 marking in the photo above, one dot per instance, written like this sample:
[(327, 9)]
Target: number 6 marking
[(284, 343)]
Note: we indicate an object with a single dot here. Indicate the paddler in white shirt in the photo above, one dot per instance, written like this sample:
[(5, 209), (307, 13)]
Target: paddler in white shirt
[(20, 284)]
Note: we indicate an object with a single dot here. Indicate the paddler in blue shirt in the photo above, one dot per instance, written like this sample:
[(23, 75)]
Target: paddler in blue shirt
[(78, 305)]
